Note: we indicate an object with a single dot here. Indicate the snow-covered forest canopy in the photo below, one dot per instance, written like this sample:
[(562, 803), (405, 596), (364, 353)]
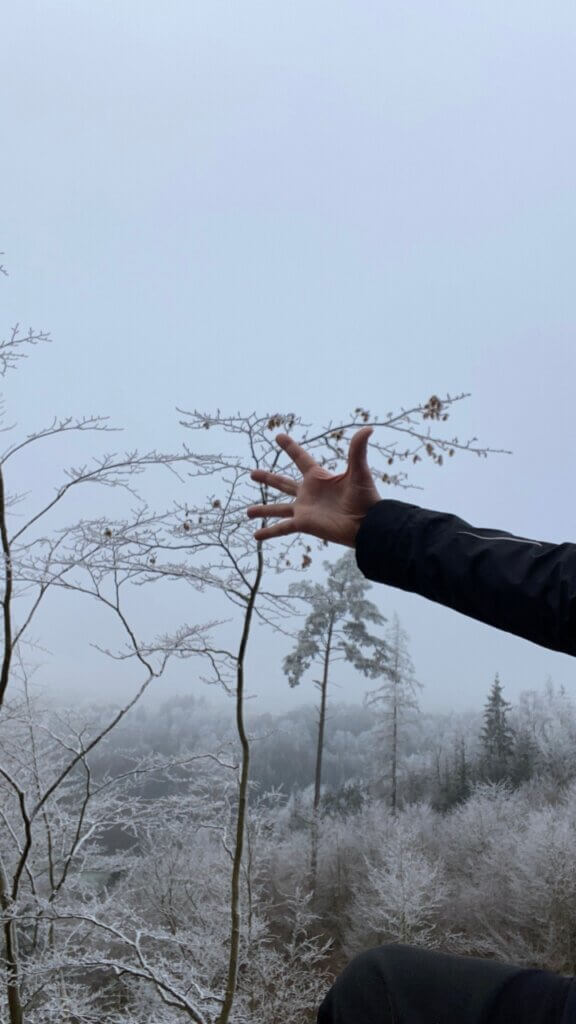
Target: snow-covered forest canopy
[(123, 906), (181, 862)]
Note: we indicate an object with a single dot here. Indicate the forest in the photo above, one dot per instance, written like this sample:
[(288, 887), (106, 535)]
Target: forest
[(190, 863), (124, 900)]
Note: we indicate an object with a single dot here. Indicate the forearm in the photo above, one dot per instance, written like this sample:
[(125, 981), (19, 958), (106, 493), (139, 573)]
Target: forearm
[(522, 586)]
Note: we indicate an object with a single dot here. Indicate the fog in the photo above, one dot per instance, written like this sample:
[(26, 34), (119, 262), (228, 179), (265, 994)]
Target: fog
[(302, 209), (264, 211)]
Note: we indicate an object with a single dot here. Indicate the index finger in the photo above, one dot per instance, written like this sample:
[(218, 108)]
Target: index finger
[(301, 459)]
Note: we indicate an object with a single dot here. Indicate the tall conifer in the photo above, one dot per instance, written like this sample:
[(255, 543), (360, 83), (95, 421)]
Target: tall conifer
[(497, 736)]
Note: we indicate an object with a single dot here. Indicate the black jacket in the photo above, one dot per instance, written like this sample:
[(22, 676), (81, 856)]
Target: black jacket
[(526, 587)]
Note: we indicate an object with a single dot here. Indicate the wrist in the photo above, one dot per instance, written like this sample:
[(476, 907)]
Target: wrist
[(352, 530)]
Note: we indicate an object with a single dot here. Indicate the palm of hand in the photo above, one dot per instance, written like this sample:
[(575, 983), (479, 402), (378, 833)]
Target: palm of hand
[(325, 505)]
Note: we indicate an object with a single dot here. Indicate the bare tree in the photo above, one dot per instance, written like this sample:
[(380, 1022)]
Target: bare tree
[(205, 544), (98, 559), (209, 544)]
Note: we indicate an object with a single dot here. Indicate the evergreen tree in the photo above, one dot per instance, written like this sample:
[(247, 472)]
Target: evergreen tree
[(497, 736), (526, 758), (454, 784), (334, 630)]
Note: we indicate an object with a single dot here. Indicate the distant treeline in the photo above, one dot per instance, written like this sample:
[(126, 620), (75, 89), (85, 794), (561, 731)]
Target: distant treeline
[(441, 756)]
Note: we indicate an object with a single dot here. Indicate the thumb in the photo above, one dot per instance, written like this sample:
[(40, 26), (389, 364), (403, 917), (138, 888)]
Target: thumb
[(357, 454)]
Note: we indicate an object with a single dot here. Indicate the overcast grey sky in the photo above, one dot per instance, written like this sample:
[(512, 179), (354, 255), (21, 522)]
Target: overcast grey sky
[(306, 207)]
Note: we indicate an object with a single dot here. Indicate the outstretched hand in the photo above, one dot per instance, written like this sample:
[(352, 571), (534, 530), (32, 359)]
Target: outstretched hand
[(325, 505)]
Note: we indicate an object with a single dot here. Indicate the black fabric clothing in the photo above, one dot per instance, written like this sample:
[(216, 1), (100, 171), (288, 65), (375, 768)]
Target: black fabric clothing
[(536, 997), (526, 587), (570, 1008), (398, 984)]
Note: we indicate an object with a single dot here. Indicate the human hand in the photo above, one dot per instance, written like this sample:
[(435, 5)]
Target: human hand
[(326, 505)]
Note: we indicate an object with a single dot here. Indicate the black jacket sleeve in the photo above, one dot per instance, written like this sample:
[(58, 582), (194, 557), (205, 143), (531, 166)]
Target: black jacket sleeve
[(526, 587)]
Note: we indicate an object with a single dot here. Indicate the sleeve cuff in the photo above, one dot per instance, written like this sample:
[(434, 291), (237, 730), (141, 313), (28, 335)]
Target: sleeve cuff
[(383, 543)]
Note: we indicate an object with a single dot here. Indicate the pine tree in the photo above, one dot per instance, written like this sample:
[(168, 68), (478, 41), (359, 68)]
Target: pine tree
[(334, 630), (497, 736)]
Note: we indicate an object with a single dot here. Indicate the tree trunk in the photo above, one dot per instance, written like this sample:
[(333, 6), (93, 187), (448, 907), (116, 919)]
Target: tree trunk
[(394, 756), (242, 803), (319, 752), (396, 683), (6, 600), (11, 959)]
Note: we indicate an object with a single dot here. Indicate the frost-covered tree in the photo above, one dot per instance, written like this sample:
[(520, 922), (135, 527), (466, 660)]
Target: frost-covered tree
[(403, 890), (96, 560), (509, 856), (395, 697), (54, 811), (558, 743), (454, 777), (526, 760), (334, 630), (497, 736)]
